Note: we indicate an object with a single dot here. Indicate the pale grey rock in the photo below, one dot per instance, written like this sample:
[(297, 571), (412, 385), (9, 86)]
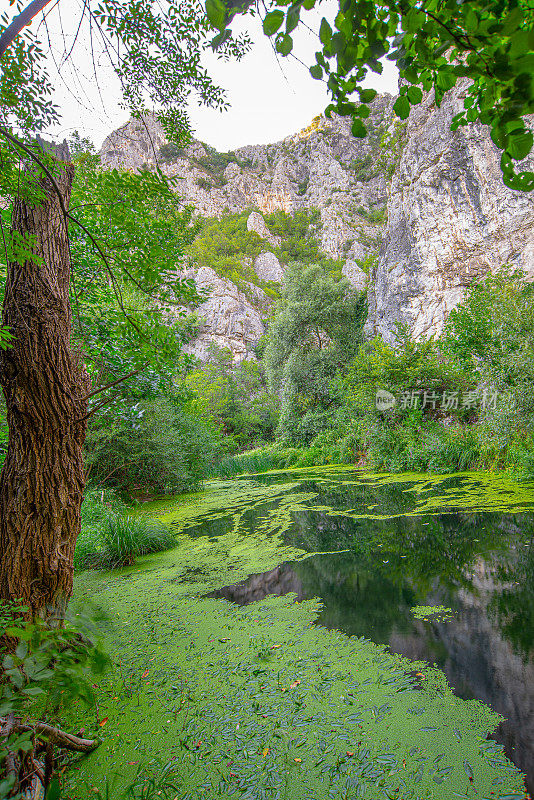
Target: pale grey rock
[(451, 220), (256, 223), (355, 274), (315, 168), (228, 317), (268, 268)]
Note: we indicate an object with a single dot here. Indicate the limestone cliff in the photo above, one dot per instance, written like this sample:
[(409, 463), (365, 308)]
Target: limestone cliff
[(451, 219), (322, 167), (421, 208)]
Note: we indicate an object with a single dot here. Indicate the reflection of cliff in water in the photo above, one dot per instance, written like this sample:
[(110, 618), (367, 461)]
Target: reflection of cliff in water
[(470, 648), (481, 565)]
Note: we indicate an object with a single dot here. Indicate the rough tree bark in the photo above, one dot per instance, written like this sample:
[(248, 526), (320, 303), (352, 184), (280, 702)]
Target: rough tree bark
[(45, 385)]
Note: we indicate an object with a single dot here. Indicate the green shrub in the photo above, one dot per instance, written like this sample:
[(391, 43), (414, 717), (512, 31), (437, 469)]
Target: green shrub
[(205, 184), (258, 460), (364, 168), (170, 152), (160, 446)]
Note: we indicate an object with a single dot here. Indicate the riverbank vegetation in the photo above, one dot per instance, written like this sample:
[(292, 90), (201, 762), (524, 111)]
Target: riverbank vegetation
[(458, 401), (256, 700)]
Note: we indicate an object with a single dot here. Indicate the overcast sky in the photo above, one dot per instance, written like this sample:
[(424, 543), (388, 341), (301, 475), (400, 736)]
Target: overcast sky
[(270, 98)]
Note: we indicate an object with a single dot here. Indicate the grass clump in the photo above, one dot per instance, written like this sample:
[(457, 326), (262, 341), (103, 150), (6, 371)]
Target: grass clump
[(112, 538), (261, 459)]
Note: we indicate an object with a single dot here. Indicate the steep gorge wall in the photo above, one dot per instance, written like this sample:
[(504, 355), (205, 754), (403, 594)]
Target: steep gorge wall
[(424, 208), (451, 220)]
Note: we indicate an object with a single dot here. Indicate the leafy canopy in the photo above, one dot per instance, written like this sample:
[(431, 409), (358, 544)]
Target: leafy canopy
[(434, 44)]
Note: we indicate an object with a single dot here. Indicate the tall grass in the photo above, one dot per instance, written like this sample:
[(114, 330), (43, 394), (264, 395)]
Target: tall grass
[(261, 460), (112, 538)]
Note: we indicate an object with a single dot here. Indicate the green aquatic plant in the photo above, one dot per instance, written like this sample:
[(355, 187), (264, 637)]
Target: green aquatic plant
[(432, 613), (256, 701)]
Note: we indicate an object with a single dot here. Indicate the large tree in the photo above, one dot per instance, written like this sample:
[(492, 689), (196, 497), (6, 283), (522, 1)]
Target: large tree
[(156, 51)]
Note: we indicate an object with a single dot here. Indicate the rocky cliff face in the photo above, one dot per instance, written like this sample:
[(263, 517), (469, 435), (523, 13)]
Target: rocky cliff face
[(424, 210), (451, 219), (321, 167)]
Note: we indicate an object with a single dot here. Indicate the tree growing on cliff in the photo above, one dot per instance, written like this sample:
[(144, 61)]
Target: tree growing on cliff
[(434, 44)]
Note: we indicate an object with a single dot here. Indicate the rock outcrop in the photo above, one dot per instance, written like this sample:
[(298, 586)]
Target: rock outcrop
[(228, 317), (451, 220), (322, 167), (268, 268), (421, 208)]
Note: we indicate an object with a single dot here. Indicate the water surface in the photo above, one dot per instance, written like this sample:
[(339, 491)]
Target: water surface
[(382, 545)]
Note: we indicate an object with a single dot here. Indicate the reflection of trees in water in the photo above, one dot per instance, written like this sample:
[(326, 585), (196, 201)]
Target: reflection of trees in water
[(513, 607), (398, 562), (357, 600)]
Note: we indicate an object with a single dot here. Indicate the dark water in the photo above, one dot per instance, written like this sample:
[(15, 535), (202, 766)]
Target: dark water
[(480, 565)]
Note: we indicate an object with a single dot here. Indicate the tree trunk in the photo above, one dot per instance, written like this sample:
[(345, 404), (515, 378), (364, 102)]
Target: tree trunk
[(45, 385)]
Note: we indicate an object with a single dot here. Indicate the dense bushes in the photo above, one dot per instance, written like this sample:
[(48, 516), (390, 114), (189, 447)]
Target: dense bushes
[(461, 401), (314, 333), (235, 399), (159, 446)]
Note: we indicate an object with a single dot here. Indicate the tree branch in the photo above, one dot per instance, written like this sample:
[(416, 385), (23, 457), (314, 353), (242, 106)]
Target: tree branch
[(20, 22), (58, 737), (119, 380)]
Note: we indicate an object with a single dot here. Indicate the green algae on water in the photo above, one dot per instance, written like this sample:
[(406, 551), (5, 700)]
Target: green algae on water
[(258, 702), (432, 613)]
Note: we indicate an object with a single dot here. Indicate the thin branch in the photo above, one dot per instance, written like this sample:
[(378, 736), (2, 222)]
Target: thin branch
[(97, 408), (20, 22), (58, 737), (119, 380)]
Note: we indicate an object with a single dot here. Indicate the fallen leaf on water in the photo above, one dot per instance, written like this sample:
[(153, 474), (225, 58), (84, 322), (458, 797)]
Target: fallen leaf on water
[(224, 640), (103, 721), (276, 646), (298, 760), (265, 752), (145, 673), (131, 763), (295, 683)]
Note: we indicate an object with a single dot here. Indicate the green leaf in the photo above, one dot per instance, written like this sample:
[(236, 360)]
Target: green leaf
[(401, 107), (20, 633), (358, 129), (366, 95), (471, 20), (284, 44), (325, 32), (21, 650), (216, 13), (446, 80), (519, 145), (414, 94), (292, 18), (54, 790), (272, 22), (316, 72), (33, 691), (468, 770)]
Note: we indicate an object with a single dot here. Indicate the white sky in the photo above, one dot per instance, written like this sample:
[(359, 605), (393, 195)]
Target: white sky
[(269, 99)]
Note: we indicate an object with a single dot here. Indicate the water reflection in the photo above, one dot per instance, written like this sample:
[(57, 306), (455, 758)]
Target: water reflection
[(481, 565)]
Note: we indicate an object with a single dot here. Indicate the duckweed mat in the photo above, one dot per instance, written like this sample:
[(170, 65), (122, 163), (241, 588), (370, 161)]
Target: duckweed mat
[(256, 702)]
